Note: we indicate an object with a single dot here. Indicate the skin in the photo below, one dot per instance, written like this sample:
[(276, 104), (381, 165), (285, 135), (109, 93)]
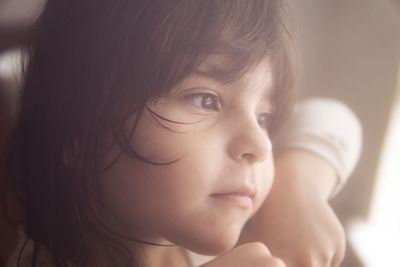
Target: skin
[(223, 147), (296, 222), (254, 254)]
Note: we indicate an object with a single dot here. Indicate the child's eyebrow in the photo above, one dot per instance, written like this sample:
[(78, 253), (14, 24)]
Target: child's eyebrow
[(218, 74), (213, 72), (218, 68)]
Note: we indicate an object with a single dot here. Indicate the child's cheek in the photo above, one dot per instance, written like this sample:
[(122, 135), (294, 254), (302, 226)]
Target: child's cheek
[(265, 173), (163, 142)]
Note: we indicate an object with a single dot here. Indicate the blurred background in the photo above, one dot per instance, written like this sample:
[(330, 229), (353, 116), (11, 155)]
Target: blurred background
[(349, 50)]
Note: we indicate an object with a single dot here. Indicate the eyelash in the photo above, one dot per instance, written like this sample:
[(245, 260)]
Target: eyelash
[(213, 104), (264, 120)]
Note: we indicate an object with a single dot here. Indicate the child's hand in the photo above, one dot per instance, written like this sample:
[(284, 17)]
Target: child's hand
[(296, 221), (251, 254)]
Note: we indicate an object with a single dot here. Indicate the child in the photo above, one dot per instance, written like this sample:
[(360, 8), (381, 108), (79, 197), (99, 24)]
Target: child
[(145, 130)]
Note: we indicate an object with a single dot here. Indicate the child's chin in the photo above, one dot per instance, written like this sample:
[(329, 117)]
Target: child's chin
[(215, 247)]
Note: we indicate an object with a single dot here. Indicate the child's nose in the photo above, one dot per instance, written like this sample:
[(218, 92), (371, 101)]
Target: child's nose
[(249, 142)]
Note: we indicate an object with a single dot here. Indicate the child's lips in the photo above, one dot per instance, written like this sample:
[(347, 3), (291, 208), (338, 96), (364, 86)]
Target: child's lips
[(242, 197)]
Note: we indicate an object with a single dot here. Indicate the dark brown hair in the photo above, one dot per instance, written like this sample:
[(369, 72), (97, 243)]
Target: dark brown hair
[(92, 64)]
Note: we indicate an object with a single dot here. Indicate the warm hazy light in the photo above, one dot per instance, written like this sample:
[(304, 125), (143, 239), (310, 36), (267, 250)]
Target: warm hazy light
[(378, 240)]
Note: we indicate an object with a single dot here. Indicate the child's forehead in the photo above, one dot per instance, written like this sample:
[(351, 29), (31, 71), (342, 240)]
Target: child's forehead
[(224, 63), (215, 61)]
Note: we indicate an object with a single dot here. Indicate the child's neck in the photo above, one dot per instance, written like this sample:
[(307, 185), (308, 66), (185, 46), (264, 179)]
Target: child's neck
[(154, 256), (144, 256)]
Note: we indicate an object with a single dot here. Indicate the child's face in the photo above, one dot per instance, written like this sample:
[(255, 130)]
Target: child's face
[(224, 168)]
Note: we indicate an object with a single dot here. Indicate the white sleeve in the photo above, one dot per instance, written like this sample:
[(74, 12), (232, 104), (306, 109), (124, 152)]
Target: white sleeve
[(327, 128)]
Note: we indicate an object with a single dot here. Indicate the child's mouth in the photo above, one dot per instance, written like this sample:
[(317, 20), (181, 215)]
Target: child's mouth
[(239, 200), (242, 197)]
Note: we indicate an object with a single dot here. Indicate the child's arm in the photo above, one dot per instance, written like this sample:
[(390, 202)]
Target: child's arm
[(318, 152), (296, 222)]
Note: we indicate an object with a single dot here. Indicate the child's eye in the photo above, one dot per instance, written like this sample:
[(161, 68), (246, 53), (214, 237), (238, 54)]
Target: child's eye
[(204, 101), (264, 120)]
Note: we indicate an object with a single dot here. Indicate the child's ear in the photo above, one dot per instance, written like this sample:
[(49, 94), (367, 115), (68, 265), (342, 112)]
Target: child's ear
[(67, 159), (68, 154)]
